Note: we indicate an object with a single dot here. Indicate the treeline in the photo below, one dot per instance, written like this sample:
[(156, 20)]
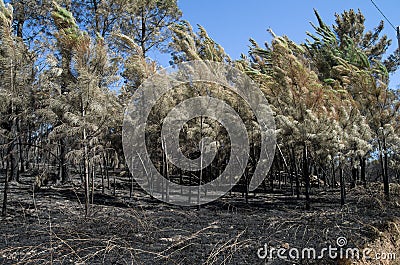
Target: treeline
[(69, 68)]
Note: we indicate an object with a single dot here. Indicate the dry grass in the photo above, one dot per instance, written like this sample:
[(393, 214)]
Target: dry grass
[(52, 230)]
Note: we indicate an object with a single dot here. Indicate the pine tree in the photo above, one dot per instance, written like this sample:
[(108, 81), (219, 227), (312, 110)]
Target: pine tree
[(147, 22), (85, 107), (349, 57), (16, 76)]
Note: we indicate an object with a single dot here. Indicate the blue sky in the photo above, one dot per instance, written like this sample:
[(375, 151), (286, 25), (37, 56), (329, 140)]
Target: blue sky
[(232, 23)]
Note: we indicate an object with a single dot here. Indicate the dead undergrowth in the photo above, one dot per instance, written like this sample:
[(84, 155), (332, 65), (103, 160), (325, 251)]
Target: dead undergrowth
[(48, 227)]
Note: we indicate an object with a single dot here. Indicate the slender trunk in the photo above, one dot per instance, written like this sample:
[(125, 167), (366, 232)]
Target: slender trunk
[(107, 172), (363, 171), (325, 178), (381, 160), (143, 33), (163, 169), (20, 149), (28, 149), (5, 191), (342, 184), (14, 162), (63, 171), (253, 165), (131, 184), (114, 185), (86, 163), (296, 174), (272, 177), (246, 179), (291, 184), (14, 151), (102, 176), (353, 174), (333, 174), (386, 186), (96, 15), (166, 172), (181, 179), (2, 159), (306, 176), (39, 154), (86, 174), (190, 188), (93, 178), (201, 163)]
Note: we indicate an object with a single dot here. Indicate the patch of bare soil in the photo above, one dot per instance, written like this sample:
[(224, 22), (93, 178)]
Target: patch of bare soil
[(49, 227)]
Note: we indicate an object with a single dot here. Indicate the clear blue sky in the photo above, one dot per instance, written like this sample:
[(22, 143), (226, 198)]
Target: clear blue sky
[(232, 22)]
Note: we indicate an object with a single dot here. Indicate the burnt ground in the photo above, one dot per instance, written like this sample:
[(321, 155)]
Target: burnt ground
[(49, 227)]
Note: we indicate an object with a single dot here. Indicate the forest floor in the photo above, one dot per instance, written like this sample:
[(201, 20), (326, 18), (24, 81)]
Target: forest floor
[(49, 227)]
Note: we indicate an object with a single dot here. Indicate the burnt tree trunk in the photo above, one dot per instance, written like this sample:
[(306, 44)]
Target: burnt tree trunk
[(5, 191), (363, 165), (306, 176), (386, 186), (342, 184)]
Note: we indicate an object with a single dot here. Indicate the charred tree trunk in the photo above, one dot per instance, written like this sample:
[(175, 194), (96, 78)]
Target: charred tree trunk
[(306, 176), (363, 165), (14, 151), (201, 164), (333, 174), (342, 184), (386, 184), (62, 168), (102, 176), (143, 33), (5, 191), (86, 163), (246, 179), (272, 176), (14, 162), (93, 179), (20, 150), (353, 174), (296, 173)]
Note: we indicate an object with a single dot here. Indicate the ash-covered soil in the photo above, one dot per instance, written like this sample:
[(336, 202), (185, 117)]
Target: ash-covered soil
[(49, 227)]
